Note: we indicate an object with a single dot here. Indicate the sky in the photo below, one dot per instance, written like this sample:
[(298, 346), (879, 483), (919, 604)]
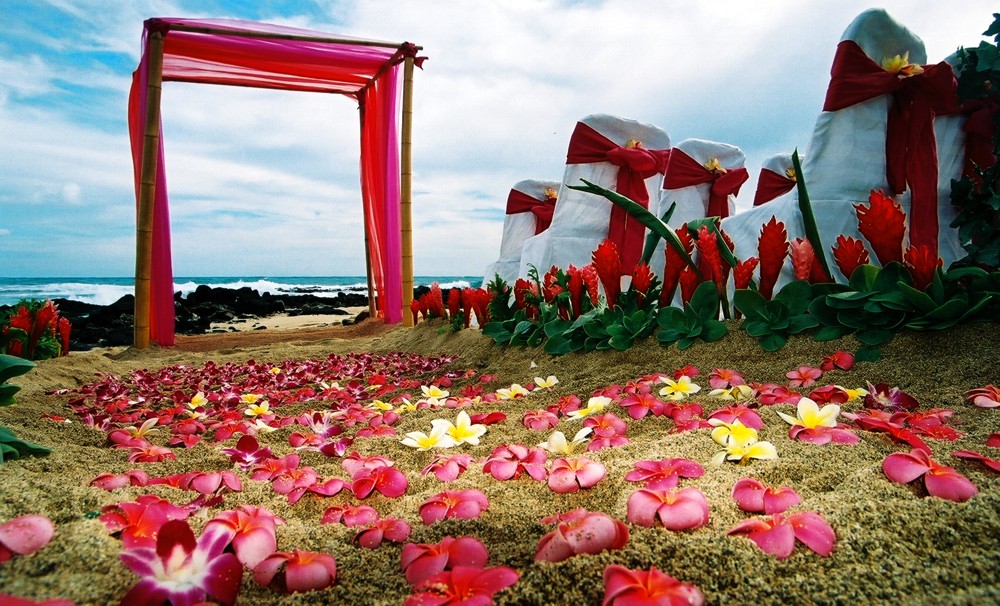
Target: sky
[(266, 183)]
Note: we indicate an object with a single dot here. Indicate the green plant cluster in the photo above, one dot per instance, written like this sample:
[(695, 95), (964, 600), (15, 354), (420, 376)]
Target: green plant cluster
[(12, 447)]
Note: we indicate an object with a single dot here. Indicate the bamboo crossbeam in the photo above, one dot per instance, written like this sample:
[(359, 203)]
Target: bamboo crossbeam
[(221, 31), (147, 191), (406, 190)]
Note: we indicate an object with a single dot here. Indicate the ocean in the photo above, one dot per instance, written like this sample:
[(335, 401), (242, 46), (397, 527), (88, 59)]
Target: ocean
[(104, 291)]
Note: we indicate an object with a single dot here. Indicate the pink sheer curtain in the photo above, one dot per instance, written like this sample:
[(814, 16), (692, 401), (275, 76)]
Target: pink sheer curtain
[(244, 53)]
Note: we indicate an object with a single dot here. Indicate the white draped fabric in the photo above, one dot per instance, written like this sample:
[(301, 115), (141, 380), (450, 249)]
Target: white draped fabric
[(518, 227)]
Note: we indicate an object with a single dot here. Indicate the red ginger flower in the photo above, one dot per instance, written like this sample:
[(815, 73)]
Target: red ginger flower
[(849, 254), (627, 587), (590, 281), (674, 265), (689, 282), (772, 248), (608, 263), (922, 261), (575, 284), (415, 309), (481, 306), (805, 262), (743, 273), (642, 279), (454, 302), (468, 303), (883, 224), (711, 265)]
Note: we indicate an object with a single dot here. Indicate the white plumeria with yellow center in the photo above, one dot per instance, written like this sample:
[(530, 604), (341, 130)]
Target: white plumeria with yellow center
[(406, 406), (263, 427), (142, 430), (257, 408), (740, 443), (811, 416), (736, 392), (514, 391), (853, 394), (437, 438), (557, 444), (463, 430), (679, 389), (433, 391), (594, 405), (380, 405), (547, 383), (198, 400)]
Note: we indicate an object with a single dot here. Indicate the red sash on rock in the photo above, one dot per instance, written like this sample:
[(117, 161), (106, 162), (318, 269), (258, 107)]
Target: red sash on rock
[(520, 202), (979, 135), (685, 171), (635, 165), (910, 146), (770, 185)]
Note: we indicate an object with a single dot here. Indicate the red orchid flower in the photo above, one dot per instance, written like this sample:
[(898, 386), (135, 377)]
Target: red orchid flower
[(941, 481), (580, 532), (25, 535), (539, 420), (420, 561), (447, 468), (387, 529), (803, 376), (624, 587), (349, 515), (509, 461), (777, 535), (664, 473), (740, 413), (984, 397), (461, 504), (389, 481), (883, 224), (972, 455), (462, 585), (572, 474), (754, 496), (139, 522), (849, 254), (296, 571), (922, 261), (182, 570), (724, 378), (639, 405), (110, 481), (772, 248), (608, 263), (676, 509), (882, 397), (252, 532)]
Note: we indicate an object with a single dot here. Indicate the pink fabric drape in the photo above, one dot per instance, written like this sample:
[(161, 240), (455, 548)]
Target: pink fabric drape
[(520, 202), (261, 55), (635, 165), (910, 145)]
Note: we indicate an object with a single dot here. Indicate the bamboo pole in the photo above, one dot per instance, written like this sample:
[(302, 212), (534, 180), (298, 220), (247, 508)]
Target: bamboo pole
[(406, 190), (147, 191)]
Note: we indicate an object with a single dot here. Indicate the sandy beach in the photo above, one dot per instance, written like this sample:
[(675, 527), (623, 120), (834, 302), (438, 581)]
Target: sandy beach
[(894, 544)]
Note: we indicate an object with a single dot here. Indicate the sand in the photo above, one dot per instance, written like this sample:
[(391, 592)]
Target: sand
[(895, 545)]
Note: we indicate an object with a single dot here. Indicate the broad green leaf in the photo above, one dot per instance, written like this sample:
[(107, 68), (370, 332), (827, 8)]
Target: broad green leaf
[(714, 330), (13, 366), (773, 342), (750, 303), (705, 301), (808, 218), (796, 296)]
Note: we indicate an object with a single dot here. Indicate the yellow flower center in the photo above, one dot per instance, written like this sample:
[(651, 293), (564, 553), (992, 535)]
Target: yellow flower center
[(900, 64), (790, 174), (714, 166)]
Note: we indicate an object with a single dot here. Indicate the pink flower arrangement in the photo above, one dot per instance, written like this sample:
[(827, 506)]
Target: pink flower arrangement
[(298, 571), (572, 474), (580, 532), (624, 587), (753, 496), (462, 504), (675, 509), (777, 534), (420, 561), (941, 481)]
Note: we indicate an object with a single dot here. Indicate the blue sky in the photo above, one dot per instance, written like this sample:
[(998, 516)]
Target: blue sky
[(266, 183)]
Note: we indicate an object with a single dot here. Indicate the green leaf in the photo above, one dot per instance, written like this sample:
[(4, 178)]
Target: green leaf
[(7, 392), (875, 337), (705, 301), (714, 330), (801, 322), (829, 333), (863, 278), (808, 218), (558, 345), (653, 238), (12, 447), (13, 366), (796, 296), (867, 354), (773, 342), (750, 303)]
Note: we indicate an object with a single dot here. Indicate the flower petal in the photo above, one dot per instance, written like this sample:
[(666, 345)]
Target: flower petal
[(904, 467), (814, 531)]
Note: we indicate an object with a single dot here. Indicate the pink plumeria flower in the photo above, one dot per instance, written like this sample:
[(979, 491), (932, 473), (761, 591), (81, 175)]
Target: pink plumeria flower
[(182, 570), (139, 522), (355, 462), (676, 509), (350, 515), (754, 496), (25, 535), (462, 585), (447, 468), (840, 360), (510, 461), (110, 482), (994, 440), (539, 420), (387, 529), (624, 587), (420, 561), (252, 532), (150, 454), (570, 475), (777, 535), (580, 532), (972, 455), (769, 393), (298, 571), (641, 404), (941, 481), (723, 378), (462, 504), (664, 473), (688, 371), (803, 376), (741, 413), (984, 397), (388, 481)]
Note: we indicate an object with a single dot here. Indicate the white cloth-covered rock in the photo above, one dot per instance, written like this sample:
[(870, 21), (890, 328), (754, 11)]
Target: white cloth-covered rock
[(581, 221), (519, 225), (846, 159)]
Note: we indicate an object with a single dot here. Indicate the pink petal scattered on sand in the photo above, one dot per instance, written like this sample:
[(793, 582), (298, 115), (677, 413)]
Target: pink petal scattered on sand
[(676, 509), (303, 571), (940, 480), (420, 561), (25, 535), (776, 535), (570, 475), (993, 464), (581, 531), (756, 497), (624, 587)]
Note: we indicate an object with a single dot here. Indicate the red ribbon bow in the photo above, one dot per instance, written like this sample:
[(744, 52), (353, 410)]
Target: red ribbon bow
[(635, 165), (910, 145), (770, 185), (685, 171), (520, 202)]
